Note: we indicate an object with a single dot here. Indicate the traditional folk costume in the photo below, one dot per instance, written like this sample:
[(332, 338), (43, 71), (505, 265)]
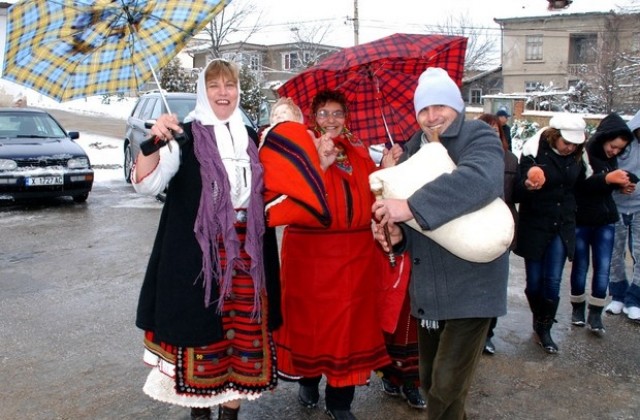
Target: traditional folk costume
[(330, 263), (203, 302)]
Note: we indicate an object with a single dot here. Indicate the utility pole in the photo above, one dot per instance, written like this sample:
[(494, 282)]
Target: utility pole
[(356, 24)]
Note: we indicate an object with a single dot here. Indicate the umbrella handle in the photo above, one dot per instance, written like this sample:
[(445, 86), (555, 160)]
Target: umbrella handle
[(155, 78), (153, 144)]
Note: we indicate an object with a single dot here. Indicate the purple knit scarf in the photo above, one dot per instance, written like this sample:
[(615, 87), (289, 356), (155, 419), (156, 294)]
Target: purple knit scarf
[(216, 218)]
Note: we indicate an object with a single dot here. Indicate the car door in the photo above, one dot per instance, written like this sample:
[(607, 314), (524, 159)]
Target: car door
[(139, 131)]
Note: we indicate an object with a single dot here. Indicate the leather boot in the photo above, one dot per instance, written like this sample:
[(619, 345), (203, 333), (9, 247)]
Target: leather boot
[(226, 413), (543, 326), (534, 304), (594, 320), (577, 315), (308, 395), (200, 413)]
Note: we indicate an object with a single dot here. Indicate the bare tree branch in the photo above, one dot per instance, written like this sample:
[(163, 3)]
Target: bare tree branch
[(233, 20), (481, 45), (308, 40)]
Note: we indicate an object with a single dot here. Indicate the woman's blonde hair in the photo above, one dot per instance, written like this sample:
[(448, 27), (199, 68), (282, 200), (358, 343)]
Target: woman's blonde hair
[(222, 68)]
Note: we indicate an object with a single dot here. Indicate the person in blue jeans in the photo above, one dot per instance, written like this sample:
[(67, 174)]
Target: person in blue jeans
[(625, 295), (595, 218), (550, 167)]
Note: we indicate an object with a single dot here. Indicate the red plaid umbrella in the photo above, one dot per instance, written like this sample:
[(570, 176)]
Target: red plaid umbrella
[(378, 79)]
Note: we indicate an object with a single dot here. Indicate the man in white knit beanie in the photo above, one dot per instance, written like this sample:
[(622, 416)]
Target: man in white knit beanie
[(453, 299)]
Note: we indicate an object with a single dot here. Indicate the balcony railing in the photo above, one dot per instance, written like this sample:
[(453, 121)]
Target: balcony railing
[(580, 69)]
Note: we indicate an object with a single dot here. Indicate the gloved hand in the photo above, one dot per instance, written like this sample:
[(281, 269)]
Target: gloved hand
[(619, 177)]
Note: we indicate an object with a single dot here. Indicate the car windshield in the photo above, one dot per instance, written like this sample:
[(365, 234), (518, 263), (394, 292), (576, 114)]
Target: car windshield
[(182, 106), (29, 125)]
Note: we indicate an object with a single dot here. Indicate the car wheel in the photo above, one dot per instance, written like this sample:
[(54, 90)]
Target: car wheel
[(80, 198), (128, 163)]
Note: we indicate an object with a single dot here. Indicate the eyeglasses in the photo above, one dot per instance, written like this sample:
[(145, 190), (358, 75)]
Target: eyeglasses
[(324, 114)]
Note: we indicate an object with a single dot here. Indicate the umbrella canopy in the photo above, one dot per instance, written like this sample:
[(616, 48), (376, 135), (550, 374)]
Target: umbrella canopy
[(379, 78), (73, 49)]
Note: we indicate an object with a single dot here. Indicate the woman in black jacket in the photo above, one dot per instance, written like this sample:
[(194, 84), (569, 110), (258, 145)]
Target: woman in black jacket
[(550, 167), (205, 303), (596, 216)]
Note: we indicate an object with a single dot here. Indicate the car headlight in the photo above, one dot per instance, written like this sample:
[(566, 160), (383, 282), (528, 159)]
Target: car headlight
[(78, 163), (7, 165)]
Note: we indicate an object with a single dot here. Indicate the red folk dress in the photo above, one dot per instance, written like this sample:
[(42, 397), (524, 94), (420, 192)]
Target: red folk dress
[(330, 281)]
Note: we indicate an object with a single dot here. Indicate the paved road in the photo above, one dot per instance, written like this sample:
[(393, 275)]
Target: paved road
[(104, 126), (69, 281)]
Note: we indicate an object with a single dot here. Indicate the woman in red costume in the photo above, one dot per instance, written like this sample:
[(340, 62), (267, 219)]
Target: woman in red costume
[(330, 264)]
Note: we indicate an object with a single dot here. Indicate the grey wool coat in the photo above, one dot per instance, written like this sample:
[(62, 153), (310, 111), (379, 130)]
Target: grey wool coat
[(444, 286)]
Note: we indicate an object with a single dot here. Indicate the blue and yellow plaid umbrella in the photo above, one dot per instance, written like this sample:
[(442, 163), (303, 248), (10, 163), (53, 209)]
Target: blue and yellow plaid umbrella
[(73, 49)]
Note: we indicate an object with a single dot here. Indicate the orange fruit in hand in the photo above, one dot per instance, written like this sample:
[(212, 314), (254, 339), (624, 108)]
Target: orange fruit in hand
[(536, 175)]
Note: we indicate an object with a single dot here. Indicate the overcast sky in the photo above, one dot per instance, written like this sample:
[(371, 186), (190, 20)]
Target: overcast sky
[(384, 17)]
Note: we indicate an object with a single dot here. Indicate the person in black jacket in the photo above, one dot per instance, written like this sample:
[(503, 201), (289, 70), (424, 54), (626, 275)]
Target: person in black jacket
[(503, 119), (203, 303), (595, 218), (550, 167), (510, 179)]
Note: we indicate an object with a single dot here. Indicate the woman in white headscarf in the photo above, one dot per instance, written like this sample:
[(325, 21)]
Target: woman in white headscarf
[(202, 304)]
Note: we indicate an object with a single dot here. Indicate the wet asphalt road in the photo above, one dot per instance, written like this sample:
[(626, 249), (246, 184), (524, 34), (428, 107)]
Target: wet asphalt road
[(69, 281)]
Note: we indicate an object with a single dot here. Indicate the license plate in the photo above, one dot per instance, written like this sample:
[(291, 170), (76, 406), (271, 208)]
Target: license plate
[(44, 180)]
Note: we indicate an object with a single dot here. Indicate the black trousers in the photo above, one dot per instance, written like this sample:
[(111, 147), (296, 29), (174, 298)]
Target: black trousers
[(336, 398), (448, 360)]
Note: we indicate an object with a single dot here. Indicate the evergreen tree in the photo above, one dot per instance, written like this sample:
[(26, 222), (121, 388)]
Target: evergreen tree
[(252, 96), (176, 79)]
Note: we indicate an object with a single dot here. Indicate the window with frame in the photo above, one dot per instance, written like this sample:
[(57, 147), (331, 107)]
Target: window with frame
[(532, 86), (583, 48), (533, 47), (254, 62), (635, 41), (290, 61), (475, 96)]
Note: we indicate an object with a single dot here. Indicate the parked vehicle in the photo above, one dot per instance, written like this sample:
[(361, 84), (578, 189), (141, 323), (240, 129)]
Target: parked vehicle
[(39, 159), (149, 107)]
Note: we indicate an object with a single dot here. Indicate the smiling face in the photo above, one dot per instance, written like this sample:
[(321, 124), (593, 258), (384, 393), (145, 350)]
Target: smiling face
[(614, 147), (330, 117), (223, 96), (436, 118)]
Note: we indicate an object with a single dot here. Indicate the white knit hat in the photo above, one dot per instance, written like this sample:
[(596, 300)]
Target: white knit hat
[(435, 87), (571, 127)]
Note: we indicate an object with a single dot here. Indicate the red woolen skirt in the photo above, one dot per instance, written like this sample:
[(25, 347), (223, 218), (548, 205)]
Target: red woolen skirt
[(329, 295), (241, 364)]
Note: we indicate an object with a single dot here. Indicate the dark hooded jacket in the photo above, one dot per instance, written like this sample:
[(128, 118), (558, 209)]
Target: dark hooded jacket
[(595, 205)]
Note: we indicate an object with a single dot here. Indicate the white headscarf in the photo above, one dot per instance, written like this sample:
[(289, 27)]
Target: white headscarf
[(232, 143)]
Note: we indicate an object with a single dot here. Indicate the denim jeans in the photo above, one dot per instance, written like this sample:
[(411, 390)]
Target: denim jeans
[(627, 236), (544, 276), (448, 360), (598, 240)]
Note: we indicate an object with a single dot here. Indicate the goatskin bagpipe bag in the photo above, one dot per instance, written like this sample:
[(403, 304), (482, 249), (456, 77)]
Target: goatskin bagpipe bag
[(480, 236)]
